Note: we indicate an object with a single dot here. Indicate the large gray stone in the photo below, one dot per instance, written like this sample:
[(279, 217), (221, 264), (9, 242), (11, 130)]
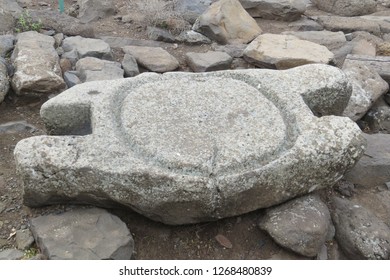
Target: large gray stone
[(329, 39), (349, 24), (277, 51), (94, 69), (210, 61), (93, 10), (11, 254), (373, 168), (37, 68), (286, 10), (227, 22), (301, 225), (347, 8), (4, 80), (83, 234), (7, 21), (367, 87), (360, 234), (153, 59), (185, 148), (87, 47), (130, 66), (6, 44)]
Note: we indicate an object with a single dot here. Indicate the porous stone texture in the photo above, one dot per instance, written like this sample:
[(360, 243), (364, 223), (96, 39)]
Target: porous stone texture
[(94, 69), (277, 51), (93, 10), (6, 44), (85, 47), (210, 61), (130, 66), (360, 234), (300, 225), (4, 80), (185, 148), (347, 8), (154, 59), (367, 87), (329, 39), (37, 68), (286, 10), (227, 22), (83, 234), (373, 168)]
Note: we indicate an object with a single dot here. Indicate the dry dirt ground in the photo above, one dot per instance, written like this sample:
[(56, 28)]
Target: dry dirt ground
[(153, 240)]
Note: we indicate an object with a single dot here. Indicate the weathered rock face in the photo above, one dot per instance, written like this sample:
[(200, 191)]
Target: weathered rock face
[(367, 86), (347, 8), (185, 148), (287, 10), (84, 47), (153, 59), (4, 80), (359, 232), (93, 10), (83, 234), (377, 118), (372, 169), (210, 61), (349, 24), (285, 51), (192, 9), (329, 39), (94, 69), (226, 21), (130, 66), (6, 44), (36, 62), (6, 21), (300, 225)]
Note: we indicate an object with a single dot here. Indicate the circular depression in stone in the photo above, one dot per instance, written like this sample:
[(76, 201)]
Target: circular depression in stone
[(202, 126)]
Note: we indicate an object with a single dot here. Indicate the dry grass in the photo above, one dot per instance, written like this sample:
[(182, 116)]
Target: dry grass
[(159, 13)]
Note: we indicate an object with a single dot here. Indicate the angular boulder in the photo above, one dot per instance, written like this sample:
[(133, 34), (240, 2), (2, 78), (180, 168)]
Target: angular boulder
[(347, 8), (360, 234), (227, 22), (210, 61), (285, 51), (85, 47), (367, 87), (301, 225), (94, 69), (83, 234), (329, 39), (185, 148), (155, 59), (37, 68), (286, 10)]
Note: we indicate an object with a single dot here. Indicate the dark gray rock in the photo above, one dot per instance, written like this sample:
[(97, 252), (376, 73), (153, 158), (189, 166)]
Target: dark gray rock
[(130, 66), (191, 37), (377, 119), (83, 234), (373, 168), (210, 61), (6, 44), (86, 47), (192, 9), (4, 80), (11, 254), (159, 34), (301, 225), (71, 78), (24, 239), (235, 51), (17, 126), (360, 234)]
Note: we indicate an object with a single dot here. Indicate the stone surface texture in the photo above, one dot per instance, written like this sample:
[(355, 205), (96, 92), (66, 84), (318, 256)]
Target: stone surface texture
[(85, 47), (185, 148), (94, 69), (301, 225), (37, 68), (6, 44), (286, 10), (360, 234), (380, 64), (329, 39), (373, 168), (11, 254), (130, 66), (227, 22), (4, 80), (192, 37), (83, 234), (210, 61), (285, 51), (347, 8), (349, 24), (155, 59), (367, 87), (93, 10)]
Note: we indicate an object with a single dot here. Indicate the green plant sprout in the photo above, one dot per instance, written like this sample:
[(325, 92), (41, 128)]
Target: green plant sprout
[(26, 23)]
